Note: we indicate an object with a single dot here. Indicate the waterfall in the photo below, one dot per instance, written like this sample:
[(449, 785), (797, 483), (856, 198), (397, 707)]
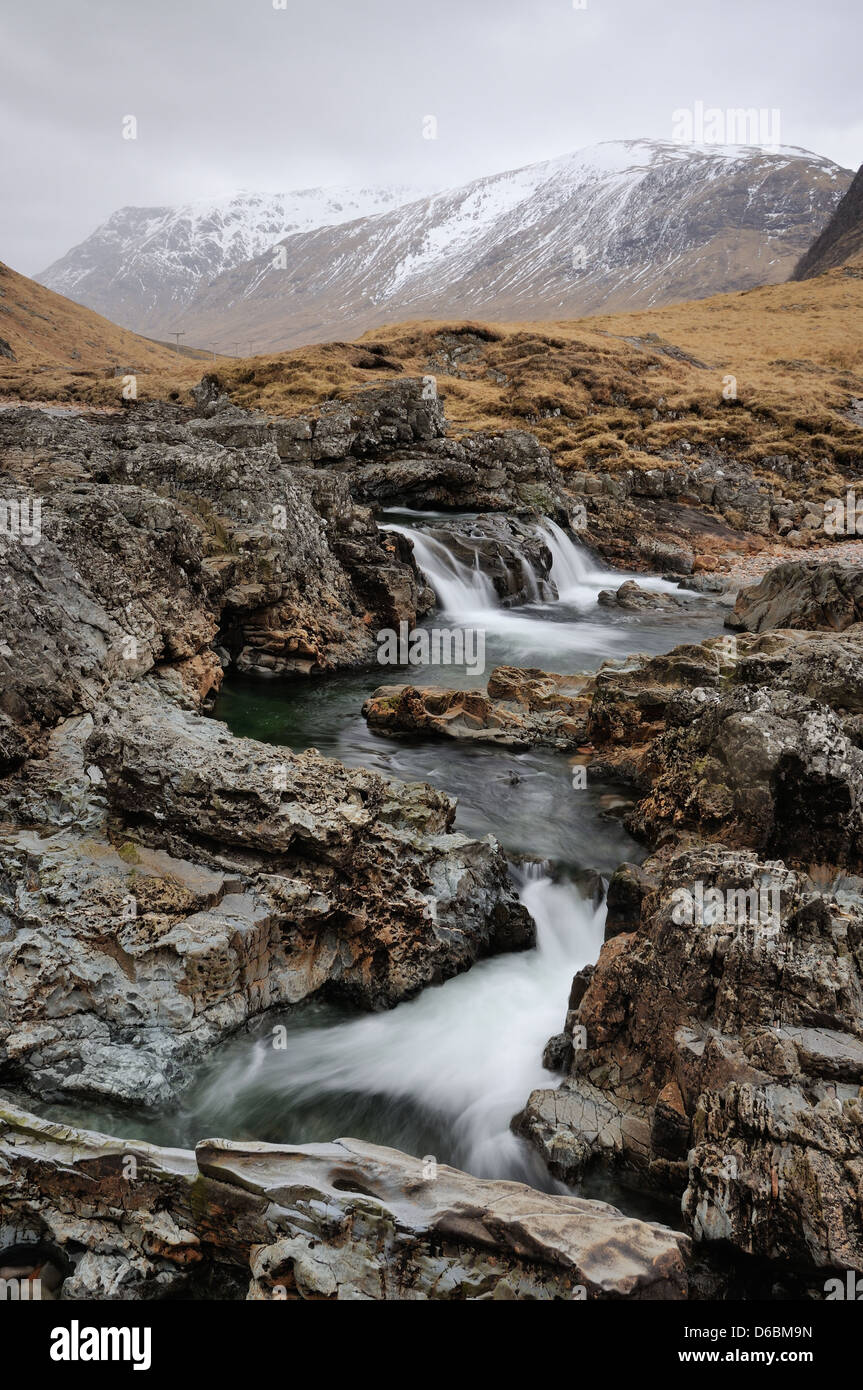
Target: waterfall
[(459, 589), (466, 1053), (575, 577), (463, 591)]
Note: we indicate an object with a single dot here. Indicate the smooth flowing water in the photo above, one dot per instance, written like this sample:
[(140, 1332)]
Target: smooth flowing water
[(572, 633), (444, 1073)]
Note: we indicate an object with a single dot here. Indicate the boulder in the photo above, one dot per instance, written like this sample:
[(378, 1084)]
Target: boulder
[(802, 594), (633, 599)]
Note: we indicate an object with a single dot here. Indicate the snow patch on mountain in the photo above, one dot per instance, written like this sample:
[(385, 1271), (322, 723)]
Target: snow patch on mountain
[(623, 224), (143, 261)]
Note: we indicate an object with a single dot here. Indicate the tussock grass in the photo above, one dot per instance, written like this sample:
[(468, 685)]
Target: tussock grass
[(607, 393)]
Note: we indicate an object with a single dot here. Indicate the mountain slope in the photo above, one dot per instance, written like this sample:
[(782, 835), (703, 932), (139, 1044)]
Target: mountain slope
[(143, 265), (40, 329), (624, 225), (842, 238)]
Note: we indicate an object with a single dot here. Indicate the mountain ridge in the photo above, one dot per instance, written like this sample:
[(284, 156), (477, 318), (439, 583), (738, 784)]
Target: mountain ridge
[(621, 226), (615, 227), (142, 264)]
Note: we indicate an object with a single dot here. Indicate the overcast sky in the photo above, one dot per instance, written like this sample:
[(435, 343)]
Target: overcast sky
[(233, 94)]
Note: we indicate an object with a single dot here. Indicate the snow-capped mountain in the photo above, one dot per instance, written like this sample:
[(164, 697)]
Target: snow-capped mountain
[(142, 266), (625, 224)]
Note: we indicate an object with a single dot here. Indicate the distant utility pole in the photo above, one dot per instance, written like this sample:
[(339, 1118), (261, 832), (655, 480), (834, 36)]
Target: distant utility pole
[(251, 340), (236, 349), (178, 336)]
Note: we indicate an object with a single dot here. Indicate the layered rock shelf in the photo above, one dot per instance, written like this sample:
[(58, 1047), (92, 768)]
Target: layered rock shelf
[(127, 1220)]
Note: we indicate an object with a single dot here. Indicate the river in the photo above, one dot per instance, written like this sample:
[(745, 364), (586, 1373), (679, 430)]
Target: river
[(443, 1074)]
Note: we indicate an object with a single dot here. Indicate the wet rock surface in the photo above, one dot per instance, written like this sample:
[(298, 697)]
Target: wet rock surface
[(632, 598), (520, 708), (716, 1047), (508, 552), (162, 882), (335, 1221)]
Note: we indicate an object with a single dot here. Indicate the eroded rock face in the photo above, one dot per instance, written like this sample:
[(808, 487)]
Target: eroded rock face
[(160, 881), (155, 538), (336, 1221), (164, 881), (115, 585), (390, 442), (374, 420), (717, 1048), (762, 768), (801, 594), (508, 472), (752, 740)]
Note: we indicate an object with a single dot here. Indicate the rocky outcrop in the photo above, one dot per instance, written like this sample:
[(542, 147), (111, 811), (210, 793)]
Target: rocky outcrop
[(115, 584), (761, 768), (508, 472), (390, 442), (699, 507), (716, 1048), (374, 422), (156, 544), (162, 882), (519, 708), (801, 594), (753, 741), (124, 1220)]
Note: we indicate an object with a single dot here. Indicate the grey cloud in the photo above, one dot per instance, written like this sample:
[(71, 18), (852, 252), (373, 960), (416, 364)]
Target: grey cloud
[(237, 94)]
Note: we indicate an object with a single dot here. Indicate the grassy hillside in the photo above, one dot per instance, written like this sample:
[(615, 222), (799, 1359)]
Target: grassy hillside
[(621, 390), (603, 393), (51, 348)]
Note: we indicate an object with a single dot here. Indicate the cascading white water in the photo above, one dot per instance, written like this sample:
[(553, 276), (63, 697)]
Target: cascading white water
[(576, 579), (459, 589), (524, 635), (463, 591), (469, 1051)]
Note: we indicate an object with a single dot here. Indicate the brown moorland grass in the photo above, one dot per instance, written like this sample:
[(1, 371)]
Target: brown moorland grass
[(637, 389), (63, 351)]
